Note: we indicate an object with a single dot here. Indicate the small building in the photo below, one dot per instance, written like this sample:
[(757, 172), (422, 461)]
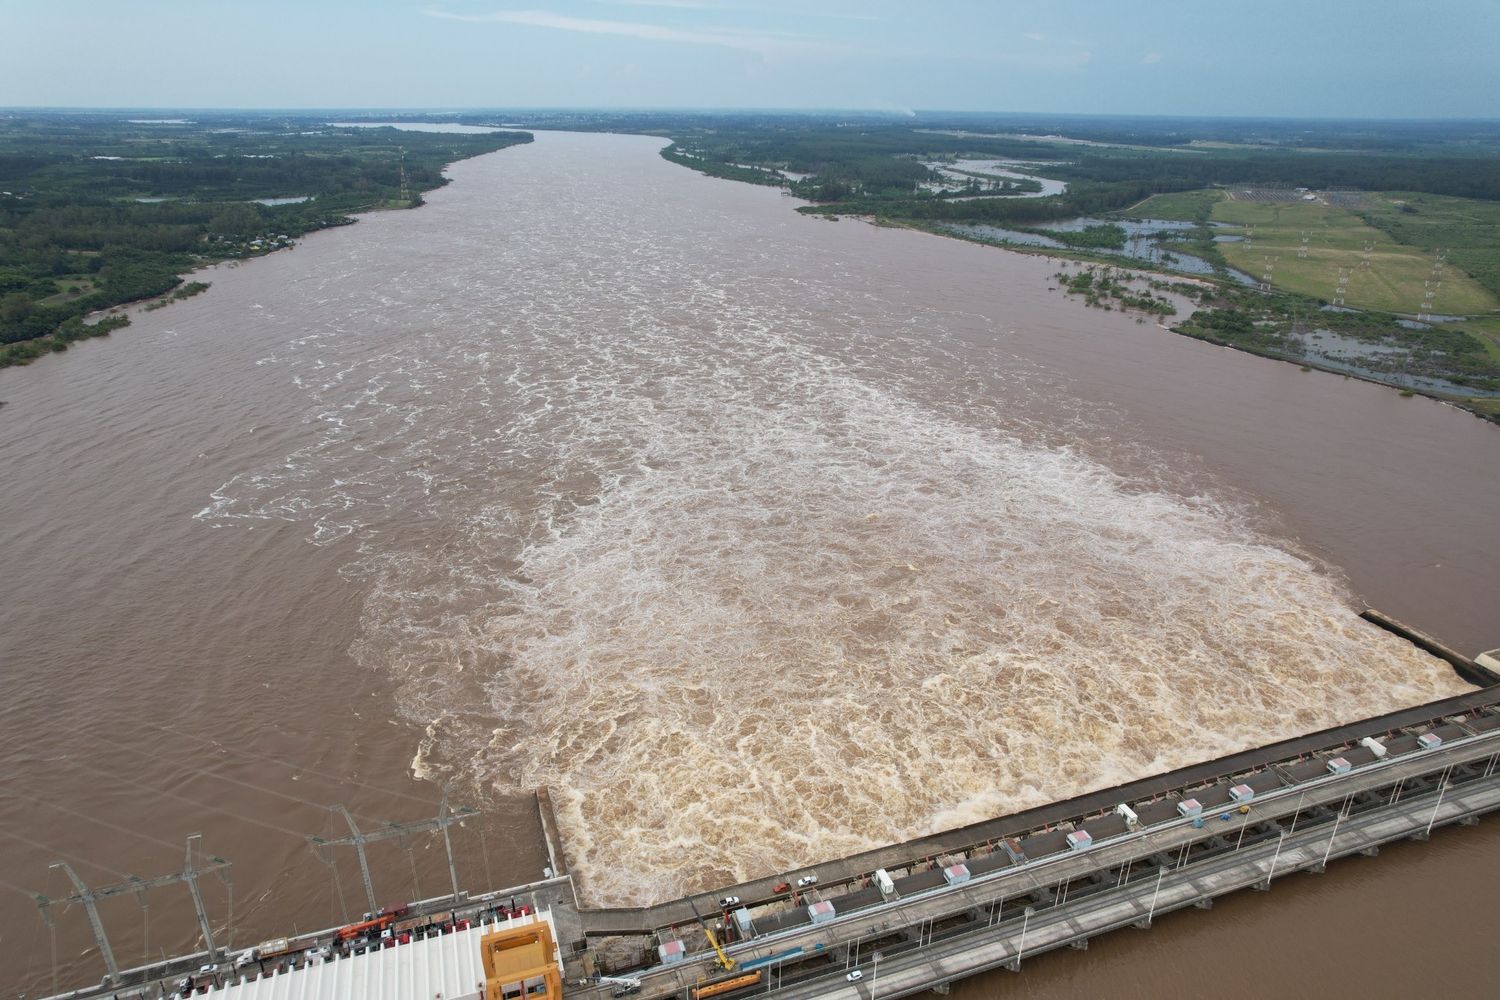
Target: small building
[(671, 952), (1080, 840), (821, 912), (521, 962), (743, 924), (956, 874), (1190, 808), (1242, 793), (1339, 765), (512, 958)]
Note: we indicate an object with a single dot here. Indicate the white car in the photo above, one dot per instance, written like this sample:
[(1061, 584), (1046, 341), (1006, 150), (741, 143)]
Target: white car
[(807, 880), (855, 976)]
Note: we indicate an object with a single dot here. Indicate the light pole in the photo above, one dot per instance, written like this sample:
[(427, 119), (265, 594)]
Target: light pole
[(1021, 948), (1336, 821), (874, 973), (1442, 787), (1279, 841), (1151, 912)]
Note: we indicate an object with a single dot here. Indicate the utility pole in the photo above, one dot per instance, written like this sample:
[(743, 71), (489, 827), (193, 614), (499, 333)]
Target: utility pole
[(447, 842), (89, 898), (138, 886), (190, 876), (358, 839)]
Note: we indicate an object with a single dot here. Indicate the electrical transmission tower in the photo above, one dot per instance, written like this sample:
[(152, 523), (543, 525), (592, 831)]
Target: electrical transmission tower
[(1432, 284), (1270, 267), (133, 884), (357, 839)]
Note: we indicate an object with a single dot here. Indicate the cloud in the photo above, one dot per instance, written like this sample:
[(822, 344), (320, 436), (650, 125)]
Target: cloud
[(1150, 58), (761, 42), (680, 4), (1034, 36)]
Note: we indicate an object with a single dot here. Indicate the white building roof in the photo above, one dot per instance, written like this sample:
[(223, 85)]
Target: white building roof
[(447, 966)]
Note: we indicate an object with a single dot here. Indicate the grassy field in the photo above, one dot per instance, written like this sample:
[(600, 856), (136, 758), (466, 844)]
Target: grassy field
[(1186, 206), (1390, 279), (1402, 231), (1468, 229), (1486, 330)]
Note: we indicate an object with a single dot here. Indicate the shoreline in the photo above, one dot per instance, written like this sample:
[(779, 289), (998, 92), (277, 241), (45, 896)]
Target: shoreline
[(102, 322), (1145, 268)]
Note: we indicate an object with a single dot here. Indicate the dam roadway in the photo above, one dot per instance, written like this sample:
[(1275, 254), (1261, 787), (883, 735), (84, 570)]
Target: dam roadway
[(921, 914), (951, 932)]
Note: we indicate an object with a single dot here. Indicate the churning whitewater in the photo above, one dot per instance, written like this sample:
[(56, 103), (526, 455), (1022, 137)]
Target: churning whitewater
[(757, 560)]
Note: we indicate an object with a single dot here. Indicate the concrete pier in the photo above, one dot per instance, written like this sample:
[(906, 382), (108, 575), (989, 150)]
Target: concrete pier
[(948, 932), (991, 894), (551, 834)]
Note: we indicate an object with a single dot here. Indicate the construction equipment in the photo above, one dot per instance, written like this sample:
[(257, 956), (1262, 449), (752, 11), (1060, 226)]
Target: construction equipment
[(725, 962)]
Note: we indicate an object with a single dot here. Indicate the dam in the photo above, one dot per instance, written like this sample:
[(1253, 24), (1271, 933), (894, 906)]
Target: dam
[(918, 915)]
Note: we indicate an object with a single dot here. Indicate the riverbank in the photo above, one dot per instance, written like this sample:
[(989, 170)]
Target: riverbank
[(417, 444), (1485, 407), (103, 212)]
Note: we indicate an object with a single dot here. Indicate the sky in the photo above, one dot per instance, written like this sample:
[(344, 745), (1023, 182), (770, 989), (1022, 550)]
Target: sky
[(1303, 58)]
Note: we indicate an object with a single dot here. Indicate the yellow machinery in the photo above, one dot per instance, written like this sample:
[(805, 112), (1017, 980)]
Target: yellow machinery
[(520, 963), (727, 985), (725, 961)]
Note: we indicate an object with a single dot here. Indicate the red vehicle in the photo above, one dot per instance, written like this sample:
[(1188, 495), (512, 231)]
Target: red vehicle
[(781, 887), (364, 927)]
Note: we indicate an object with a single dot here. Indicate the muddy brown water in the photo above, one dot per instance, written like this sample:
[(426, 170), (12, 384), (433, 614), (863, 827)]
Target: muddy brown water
[(759, 538)]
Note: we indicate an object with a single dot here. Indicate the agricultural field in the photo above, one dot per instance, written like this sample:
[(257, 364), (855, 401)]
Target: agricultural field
[(1404, 233), (1382, 274), (1468, 229), (1486, 330), (1184, 206), (1387, 246)]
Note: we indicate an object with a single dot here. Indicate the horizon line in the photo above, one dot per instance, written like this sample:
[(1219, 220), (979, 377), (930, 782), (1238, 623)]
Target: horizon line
[(900, 114)]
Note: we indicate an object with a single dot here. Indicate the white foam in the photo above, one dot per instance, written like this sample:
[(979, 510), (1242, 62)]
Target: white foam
[(751, 565)]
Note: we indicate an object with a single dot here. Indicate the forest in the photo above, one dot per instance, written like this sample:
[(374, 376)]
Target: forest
[(875, 165), (98, 210)]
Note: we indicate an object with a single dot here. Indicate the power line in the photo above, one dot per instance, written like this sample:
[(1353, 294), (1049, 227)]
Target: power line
[(294, 767), (203, 805), (92, 819), (90, 897), (219, 777), (53, 850), (358, 839)]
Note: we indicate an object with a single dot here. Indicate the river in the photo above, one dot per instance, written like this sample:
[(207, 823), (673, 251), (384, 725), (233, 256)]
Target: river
[(759, 538)]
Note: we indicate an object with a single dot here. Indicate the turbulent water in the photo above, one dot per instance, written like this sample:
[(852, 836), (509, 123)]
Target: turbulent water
[(754, 558)]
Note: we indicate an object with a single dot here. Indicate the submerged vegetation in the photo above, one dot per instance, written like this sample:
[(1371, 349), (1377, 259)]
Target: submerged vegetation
[(97, 210), (1108, 288), (1437, 359), (1350, 229), (1337, 246)]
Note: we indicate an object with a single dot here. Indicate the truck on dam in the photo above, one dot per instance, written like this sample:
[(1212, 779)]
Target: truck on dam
[(908, 917)]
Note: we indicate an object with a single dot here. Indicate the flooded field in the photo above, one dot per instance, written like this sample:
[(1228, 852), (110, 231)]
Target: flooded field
[(1143, 242)]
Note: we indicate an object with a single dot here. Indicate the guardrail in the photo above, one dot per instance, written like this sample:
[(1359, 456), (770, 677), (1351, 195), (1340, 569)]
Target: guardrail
[(1126, 847)]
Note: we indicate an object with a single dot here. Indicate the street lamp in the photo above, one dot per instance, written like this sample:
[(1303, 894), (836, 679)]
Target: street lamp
[(1021, 948), (874, 973)]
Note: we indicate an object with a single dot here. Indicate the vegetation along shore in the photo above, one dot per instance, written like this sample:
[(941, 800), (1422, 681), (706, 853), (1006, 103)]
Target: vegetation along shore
[(102, 209)]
